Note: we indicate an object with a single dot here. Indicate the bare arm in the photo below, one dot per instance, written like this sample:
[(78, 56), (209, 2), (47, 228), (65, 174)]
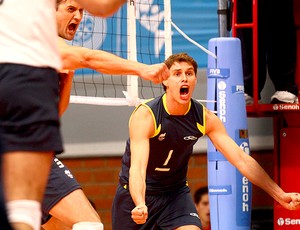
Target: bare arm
[(248, 166), (101, 8), (75, 57), (140, 130)]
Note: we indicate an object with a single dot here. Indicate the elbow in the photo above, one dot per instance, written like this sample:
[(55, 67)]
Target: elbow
[(65, 60), (68, 61), (87, 63)]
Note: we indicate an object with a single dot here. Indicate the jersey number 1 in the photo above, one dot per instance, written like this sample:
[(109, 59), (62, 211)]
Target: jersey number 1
[(165, 164)]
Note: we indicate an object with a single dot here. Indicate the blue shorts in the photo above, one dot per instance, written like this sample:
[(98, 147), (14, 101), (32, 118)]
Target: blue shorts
[(29, 109), (61, 182), (165, 212)]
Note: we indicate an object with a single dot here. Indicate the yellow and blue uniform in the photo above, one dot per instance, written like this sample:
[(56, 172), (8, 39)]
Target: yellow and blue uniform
[(166, 184)]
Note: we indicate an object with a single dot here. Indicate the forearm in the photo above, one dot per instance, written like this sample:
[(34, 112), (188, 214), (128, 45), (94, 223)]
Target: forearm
[(246, 164), (75, 57), (258, 176), (137, 188), (108, 63)]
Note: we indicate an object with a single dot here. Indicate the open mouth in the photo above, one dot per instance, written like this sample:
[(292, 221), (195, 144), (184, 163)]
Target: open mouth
[(72, 27), (184, 90)]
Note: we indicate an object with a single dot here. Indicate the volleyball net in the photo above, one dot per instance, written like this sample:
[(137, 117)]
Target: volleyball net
[(140, 31)]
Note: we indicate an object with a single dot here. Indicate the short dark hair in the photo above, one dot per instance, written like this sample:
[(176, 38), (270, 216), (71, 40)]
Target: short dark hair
[(199, 193), (58, 2), (180, 57)]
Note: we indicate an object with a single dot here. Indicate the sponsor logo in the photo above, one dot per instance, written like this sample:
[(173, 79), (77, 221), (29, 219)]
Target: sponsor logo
[(215, 72), (245, 190), (220, 190), (238, 89), (287, 221), (162, 137), (222, 100), (194, 214), (68, 173), (244, 187), (218, 73), (245, 147), (286, 107), (245, 194), (190, 138), (222, 85), (280, 221), (59, 163)]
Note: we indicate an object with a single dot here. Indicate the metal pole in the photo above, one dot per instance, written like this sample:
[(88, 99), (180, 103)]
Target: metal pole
[(223, 18)]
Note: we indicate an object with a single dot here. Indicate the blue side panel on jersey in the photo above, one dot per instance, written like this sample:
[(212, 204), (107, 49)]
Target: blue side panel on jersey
[(229, 191)]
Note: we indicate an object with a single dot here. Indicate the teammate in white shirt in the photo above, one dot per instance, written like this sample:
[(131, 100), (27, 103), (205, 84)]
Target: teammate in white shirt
[(29, 93)]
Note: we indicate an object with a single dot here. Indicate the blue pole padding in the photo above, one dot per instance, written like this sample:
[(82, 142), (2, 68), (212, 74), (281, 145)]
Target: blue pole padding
[(230, 193)]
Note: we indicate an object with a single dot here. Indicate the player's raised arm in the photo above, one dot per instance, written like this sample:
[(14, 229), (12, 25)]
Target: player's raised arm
[(68, 16), (246, 164), (101, 8), (75, 57)]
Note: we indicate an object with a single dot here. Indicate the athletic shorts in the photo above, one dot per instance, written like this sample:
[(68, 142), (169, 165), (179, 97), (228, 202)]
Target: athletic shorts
[(29, 109), (165, 212), (61, 182)]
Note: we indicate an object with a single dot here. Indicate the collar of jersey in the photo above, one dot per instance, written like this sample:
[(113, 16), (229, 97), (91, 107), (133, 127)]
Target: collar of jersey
[(164, 99)]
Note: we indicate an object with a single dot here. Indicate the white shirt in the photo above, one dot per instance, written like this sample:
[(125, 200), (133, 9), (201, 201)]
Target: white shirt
[(28, 33)]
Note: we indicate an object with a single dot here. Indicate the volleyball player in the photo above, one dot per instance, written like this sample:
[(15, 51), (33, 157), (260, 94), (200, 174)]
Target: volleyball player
[(152, 191), (65, 205), (29, 60)]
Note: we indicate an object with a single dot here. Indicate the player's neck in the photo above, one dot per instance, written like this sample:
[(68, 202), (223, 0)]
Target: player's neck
[(175, 107)]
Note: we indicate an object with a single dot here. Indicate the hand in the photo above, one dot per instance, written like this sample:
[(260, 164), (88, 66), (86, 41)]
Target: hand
[(156, 73), (139, 214), (291, 201)]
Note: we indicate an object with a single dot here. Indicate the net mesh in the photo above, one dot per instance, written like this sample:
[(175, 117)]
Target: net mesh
[(146, 30), (112, 35)]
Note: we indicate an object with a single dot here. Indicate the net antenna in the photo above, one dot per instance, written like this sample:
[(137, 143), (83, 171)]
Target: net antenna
[(148, 37), (132, 80)]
